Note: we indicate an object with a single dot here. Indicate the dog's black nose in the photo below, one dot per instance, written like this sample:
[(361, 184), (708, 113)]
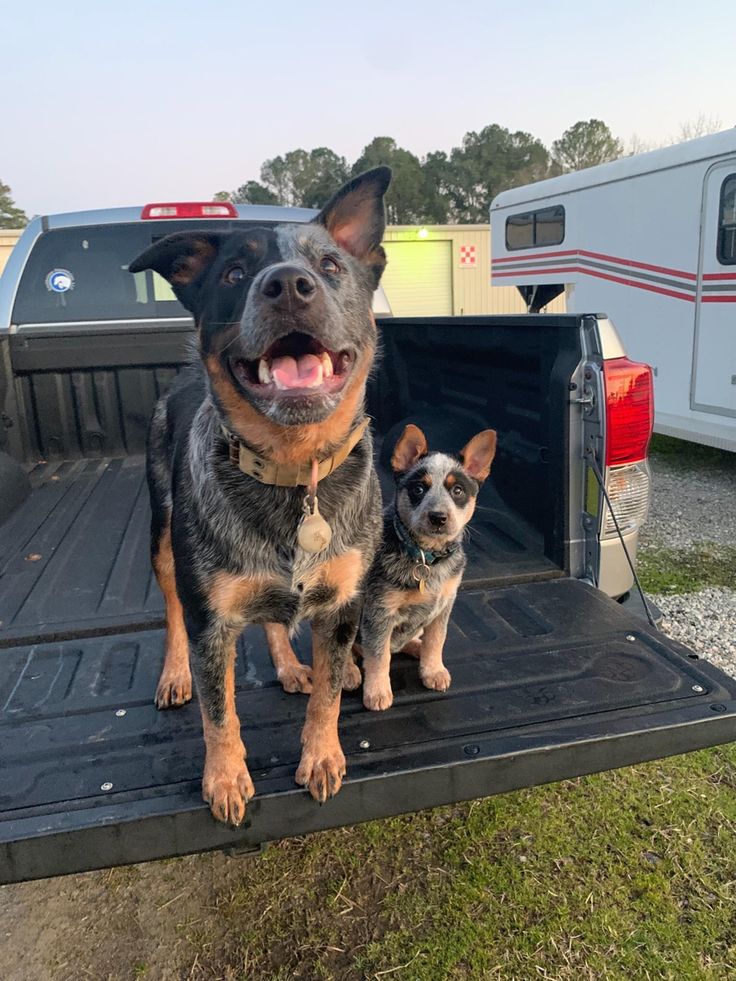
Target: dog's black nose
[(438, 519), (288, 286)]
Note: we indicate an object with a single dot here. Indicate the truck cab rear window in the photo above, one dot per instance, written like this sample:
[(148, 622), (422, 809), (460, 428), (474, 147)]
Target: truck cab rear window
[(535, 228), (727, 223), (81, 275)]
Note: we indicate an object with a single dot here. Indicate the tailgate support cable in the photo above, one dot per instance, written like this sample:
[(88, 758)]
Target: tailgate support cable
[(599, 477)]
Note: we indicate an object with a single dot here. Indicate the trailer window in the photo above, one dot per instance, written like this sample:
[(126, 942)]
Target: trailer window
[(535, 228), (727, 223)]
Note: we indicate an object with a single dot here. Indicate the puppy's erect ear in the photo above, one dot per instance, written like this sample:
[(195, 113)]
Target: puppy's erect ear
[(355, 216), (182, 259), (411, 446), (477, 456)]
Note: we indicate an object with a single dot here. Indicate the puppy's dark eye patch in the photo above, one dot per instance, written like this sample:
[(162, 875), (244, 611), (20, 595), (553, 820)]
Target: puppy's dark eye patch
[(416, 490), (460, 486)]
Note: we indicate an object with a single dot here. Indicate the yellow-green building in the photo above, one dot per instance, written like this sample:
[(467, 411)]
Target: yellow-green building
[(445, 270)]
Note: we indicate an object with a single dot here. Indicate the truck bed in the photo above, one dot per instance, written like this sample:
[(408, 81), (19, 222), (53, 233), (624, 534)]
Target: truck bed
[(550, 680), (74, 559)]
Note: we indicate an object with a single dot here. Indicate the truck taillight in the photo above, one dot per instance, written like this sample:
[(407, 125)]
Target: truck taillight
[(629, 410), (628, 489), (190, 209), (629, 422)]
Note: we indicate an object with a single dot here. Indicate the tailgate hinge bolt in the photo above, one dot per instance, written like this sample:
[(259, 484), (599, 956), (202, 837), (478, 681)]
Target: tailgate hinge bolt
[(106, 786), (698, 688), (471, 750), (365, 744), (120, 713)]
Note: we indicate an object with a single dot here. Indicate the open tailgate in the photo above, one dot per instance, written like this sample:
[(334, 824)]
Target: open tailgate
[(550, 680)]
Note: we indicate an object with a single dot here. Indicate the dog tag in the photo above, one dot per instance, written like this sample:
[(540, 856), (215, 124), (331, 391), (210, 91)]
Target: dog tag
[(419, 572), (314, 533)]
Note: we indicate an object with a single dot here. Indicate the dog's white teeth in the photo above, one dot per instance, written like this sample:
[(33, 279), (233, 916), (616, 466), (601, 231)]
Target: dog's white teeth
[(327, 369), (264, 372)]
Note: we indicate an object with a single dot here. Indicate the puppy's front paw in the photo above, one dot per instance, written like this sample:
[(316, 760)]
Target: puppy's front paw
[(436, 680), (227, 787), (351, 676), (321, 769), (174, 688), (296, 677), (377, 696)]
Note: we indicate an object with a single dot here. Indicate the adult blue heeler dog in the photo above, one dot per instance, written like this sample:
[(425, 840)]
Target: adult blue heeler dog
[(270, 417)]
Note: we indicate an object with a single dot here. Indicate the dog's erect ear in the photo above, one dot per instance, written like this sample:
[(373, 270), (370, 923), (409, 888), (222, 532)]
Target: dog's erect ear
[(356, 217), (477, 455), (411, 446), (182, 259)]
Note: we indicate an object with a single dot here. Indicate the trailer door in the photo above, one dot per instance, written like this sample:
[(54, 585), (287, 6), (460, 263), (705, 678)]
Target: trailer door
[(714, 363)]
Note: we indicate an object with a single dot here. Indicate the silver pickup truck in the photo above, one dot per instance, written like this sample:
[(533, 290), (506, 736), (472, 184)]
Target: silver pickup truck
[(556, 670)]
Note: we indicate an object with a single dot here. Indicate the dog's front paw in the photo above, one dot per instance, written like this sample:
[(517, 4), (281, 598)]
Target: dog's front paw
[(436, 680), (351, 676), (174, 688), (296, 677), (321, 769), (227, 788), (377, 696)]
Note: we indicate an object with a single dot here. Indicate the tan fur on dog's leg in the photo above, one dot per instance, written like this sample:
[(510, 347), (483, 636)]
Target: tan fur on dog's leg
[(377, 693), (351, 676), (226, 785), (432, 671), (322, 765), (293, 675), (175, 683)]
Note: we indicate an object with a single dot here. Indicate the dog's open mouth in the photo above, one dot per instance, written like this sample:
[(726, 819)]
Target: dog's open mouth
[(297, 364)]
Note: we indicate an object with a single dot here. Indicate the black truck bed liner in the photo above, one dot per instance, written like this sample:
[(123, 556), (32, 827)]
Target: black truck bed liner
[(74, 559)]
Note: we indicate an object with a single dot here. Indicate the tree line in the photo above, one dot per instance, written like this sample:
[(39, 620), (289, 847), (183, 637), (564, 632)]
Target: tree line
[(441, 188)]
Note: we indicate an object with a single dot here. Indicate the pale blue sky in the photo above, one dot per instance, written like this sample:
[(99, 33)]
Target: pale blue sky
[(107, 104)]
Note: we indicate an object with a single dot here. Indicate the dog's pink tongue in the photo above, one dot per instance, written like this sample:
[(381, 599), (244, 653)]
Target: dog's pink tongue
[(304, 372)]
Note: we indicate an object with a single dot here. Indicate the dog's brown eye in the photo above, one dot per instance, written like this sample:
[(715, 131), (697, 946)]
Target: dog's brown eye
[(329, 265), (234, 275), (458, 492)]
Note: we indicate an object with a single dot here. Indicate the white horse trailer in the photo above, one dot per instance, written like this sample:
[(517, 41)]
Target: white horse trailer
[(651, 241)]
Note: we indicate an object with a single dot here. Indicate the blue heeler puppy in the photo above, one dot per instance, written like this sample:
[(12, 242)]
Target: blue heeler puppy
[(412, 584)]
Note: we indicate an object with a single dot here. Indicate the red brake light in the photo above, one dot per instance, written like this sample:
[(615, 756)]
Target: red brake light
[(629, 410), (190, 209)]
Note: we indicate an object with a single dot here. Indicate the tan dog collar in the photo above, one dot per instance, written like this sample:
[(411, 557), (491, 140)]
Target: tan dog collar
[(268, 472)]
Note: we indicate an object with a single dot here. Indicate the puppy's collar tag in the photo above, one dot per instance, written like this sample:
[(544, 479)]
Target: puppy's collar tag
[(421, 571)]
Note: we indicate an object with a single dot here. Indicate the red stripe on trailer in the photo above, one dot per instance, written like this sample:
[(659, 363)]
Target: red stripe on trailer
[(712, 276), (718, 299), (639, 284), (635, 264)]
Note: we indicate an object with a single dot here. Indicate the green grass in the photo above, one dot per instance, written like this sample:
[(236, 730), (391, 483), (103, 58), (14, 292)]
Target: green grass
[(625, 875), (670, 570), (682, 453)]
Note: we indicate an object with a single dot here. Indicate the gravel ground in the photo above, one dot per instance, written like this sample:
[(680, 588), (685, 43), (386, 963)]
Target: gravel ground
[(692, 505)]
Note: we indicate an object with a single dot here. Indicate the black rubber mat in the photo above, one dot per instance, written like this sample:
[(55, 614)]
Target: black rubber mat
[(74, 558), (542, 668)]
